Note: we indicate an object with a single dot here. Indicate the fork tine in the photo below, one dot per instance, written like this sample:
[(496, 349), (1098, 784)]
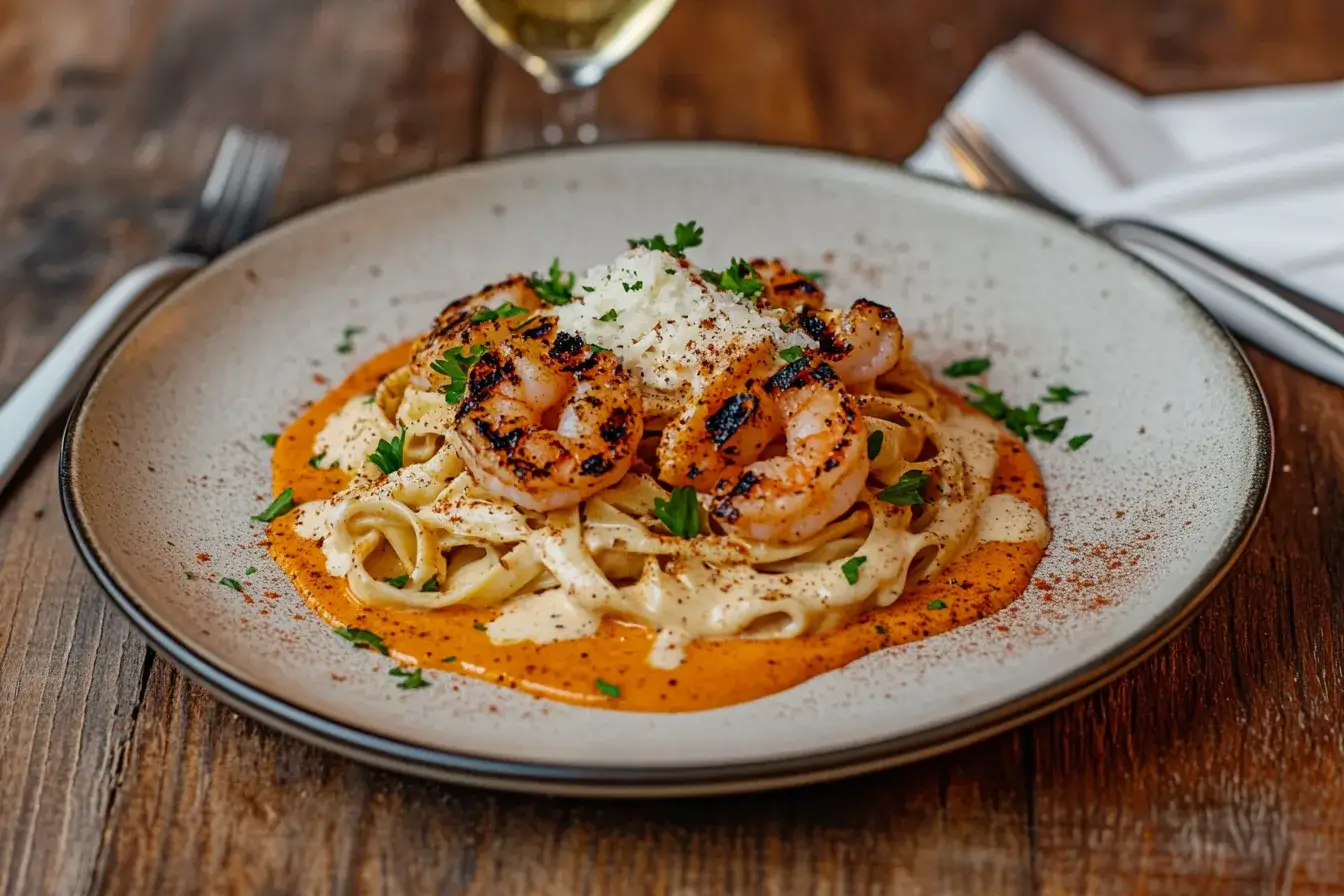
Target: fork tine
[(259, 187), (220, 193), (237, 194)]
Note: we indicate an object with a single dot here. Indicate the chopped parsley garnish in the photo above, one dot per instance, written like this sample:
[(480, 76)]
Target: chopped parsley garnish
[(557, 288), (597, 349), (1079, 441), (231, 583), (1026, 422), (814, 276), (669, 270), (189, 575), (607, 689), (1060, 395), (967, 367), (987, 402), (249, 571), (508, 309), (454, 365), (633, 287), (680, 513), (449, 659), (270, 438), (347, 344), (874, 444), (316, 459), (609, 316), (908, 490), (479, 626), (364, 639), (851, 568), (590, 289), (398, 581), (881, 629), (431, 586), (283, 504), (685, 236), (387, 456), (371, 399), (937, 605), (738, 277), (791, 354), (410, 678), (1050, 429)]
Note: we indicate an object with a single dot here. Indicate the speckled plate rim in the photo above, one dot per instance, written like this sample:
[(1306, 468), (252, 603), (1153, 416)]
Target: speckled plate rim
[(701, 780)]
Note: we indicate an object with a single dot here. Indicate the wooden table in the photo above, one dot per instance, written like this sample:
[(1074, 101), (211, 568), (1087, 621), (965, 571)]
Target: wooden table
[(1218, 766)]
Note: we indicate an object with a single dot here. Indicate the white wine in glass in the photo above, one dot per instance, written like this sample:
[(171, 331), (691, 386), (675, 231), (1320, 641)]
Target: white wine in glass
[(567, 45)]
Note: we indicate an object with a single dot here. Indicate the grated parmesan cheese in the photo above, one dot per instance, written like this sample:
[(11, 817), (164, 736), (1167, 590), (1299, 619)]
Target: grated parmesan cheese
[(669, 325)]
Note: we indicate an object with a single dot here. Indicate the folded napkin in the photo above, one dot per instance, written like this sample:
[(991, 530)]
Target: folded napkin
[(1257, 174)]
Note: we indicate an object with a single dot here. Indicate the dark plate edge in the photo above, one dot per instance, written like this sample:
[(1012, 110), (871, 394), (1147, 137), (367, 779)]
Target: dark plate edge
[(570, 780)]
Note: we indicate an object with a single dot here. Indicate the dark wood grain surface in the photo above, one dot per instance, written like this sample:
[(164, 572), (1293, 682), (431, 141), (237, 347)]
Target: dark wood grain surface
[(1216, 767)]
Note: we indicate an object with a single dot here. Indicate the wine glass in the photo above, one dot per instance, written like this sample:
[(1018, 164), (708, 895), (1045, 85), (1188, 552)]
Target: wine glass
[(567, 45)]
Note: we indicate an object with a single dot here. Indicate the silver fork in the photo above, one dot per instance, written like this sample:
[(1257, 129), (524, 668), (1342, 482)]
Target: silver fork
[(232, 206), (986, 168)]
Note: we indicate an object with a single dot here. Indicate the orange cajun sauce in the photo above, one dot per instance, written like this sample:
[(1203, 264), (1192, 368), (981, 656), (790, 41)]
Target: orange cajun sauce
[(715, 673)]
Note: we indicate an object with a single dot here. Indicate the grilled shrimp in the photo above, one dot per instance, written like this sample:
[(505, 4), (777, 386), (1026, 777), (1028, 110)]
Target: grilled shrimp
[(513, 393), (791, 498), (860, 344), (786, 288), (729, 421), (454, 326)]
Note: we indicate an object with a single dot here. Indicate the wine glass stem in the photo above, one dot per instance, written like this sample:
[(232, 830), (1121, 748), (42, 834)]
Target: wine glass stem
[(571, 114)]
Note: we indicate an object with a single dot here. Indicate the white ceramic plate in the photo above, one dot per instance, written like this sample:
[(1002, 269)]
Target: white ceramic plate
[(162, 464)]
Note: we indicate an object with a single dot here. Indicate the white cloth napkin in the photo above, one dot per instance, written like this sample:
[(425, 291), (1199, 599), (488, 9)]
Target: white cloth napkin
[(1257, 174)]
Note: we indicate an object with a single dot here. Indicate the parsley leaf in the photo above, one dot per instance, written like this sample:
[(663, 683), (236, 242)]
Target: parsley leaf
[(685, 236), (937, 605), (454, 365), (479, 626), (967, 367), (608, 317), (738, 277), (874, 444), (681, 513), (1050, 429), (987, 402), (814, 276), (398, 581), (590, 289), (606, 689), (508, 309), (597, 349), (347, 345), (633, 287), (231, 583), (1060, 395), (1021, 421), (431, 586), (270, 438), (410, 678), (1079, 441), (791, 354), (283, 504), (316, 459), (363, 638), (880, 629), (387, 456), (851, 568), (189, 575), (907, 490), (249, 571), (449, 659), (557, 288)]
